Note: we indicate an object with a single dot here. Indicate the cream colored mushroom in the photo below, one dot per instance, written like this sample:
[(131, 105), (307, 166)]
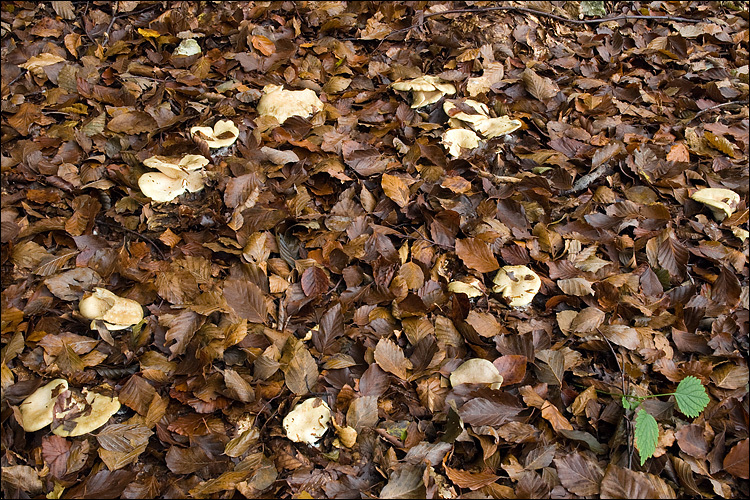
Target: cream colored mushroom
[(283, 104), (223, 134), (37, 410), (481, 122), (174, 178), (308, 421), (117, 313), (187, 47), (477, 371), (722, 202), (102, 407), (495, 127), (469, 285), (426, 89), (517, 284), (457, 139)]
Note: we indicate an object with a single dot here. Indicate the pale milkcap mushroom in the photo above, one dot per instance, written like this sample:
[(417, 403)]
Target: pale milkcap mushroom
[(117, 313), (37, 410), (426, 89), (722, 202), (283, 104), (481, 122), (223, 134), (102, 407), (477, 371), (308, 421), (517, 284), (174, 177), (457, 139)]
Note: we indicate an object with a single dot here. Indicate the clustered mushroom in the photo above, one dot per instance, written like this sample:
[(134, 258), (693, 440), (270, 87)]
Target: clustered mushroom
[(175, 176), (458, 138), (86, 412), (223, 134), (426, 89)]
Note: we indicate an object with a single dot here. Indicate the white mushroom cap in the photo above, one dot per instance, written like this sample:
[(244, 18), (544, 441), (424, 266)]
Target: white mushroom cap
[(223, 134), (457, 139), (283, 104), (102, 407), (308, 421), (479, 107), (722, 202), (187, 47), (494, 127), (469, 285), (517, 284), (37, 410), (175, 167), (477, 371), (427, 89), (116, 312)]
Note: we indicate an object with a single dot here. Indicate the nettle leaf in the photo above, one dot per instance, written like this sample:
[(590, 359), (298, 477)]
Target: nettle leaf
[(646, 435), (691, 396)]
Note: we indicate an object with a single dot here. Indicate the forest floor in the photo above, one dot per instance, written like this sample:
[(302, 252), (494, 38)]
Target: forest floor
[(345, 247)]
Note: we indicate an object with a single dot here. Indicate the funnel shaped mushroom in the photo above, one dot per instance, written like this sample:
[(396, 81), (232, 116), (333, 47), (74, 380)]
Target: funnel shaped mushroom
[(457, 139), (722, 202), (283, 104), (517, 284), (116, 312), (477, 371), (37, 410), (307, 422), (174, 177), (102, 407), (426, 89), (224, 133)]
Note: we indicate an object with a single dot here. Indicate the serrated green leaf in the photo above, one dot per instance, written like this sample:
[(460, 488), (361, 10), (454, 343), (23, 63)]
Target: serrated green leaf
[(646, 435), (691, 396)]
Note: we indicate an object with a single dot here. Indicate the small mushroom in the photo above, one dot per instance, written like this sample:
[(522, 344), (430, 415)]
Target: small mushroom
[(223, 134), (308, 421), (187, 47), (481, 122), (426, 89), (283, 104), (174, 177), (477, 371), (37, 410), (102, 407), (722, 202), (517, 284), (457, 139), (469, 285), (117, 313)]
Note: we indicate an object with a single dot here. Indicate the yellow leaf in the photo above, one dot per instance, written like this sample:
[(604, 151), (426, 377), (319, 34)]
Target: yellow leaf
[(396, 189)]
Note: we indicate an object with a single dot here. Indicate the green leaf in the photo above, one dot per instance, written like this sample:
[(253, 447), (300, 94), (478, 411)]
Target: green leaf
[(646, 435), (691, 396), (626, 403)]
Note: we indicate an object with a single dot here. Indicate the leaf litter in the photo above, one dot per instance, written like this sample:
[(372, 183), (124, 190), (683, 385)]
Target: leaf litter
[(364, 184)]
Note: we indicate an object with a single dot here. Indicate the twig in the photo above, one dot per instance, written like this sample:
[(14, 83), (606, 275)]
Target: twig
[(121, 15), (598, 20), (499, 179), (586, 180), (145, 238), (722, 105)]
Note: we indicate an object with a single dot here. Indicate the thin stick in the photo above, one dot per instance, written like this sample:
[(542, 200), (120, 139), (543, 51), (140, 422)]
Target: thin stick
[(145, 238), (543, 14), (722, 105)]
